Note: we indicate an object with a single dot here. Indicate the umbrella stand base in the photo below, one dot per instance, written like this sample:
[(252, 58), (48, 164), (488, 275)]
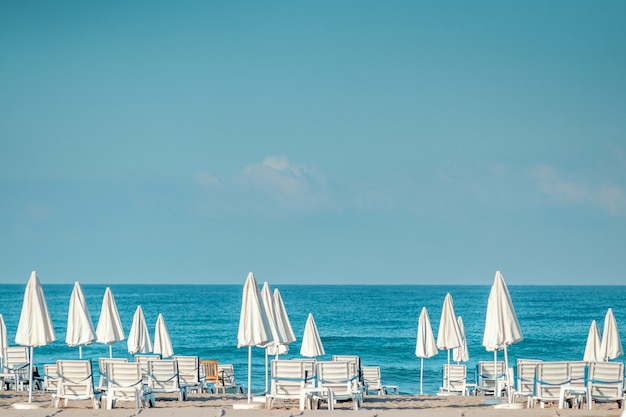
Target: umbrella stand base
[(26, 406), (511, 406), (249, 406)]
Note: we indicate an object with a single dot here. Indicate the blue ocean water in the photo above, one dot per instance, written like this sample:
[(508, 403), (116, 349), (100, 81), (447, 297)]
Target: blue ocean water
[(378, 323)]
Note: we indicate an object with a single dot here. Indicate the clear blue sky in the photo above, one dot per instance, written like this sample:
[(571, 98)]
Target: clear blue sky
[(313, 142)]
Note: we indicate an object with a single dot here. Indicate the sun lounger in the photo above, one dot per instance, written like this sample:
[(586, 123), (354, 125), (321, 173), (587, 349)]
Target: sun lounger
[(454, 380), (525, 377), (606, 383), (188, 372), (357, 363), (50, 377), (340, 380), (163, 378), (125, 383), (549, 378), (227, 378), (75, 383), (143, 361), (15, 367), (577, 387), (487, 374), (102, 367), (372, 381), (289, 378)]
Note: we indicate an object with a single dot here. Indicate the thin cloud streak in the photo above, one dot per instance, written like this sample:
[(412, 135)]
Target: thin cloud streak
[(566, 191)]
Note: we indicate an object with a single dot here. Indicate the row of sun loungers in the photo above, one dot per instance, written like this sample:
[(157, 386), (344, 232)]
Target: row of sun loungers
[(311, 382), (563, 382), (119, 380)]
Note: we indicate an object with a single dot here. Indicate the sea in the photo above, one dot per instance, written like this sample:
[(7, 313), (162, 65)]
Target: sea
[(376, 322)]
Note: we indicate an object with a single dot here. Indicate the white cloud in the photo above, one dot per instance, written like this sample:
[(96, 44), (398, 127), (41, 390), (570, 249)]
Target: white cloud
[(205, 179), (288, 184), (614, 198), (568, 191)]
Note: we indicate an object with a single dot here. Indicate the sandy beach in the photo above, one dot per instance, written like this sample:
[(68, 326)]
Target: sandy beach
[(210, 405)]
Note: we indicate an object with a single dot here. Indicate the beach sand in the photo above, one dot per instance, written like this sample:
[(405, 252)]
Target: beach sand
[(210, 405)]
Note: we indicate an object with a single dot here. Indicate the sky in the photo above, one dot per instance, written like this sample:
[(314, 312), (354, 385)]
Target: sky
[(351, 142)]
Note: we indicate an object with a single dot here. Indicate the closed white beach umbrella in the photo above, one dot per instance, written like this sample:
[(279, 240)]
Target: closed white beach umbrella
[(80, 331), (282, 320), (311, 343), (254, 329), (4, 342), (461, 354), (425, 346), (139, 336), (502, 327), (35, 327), (276, 343), (109, 329), (448, 336), (162, 340), (592, 348), (611, 344)]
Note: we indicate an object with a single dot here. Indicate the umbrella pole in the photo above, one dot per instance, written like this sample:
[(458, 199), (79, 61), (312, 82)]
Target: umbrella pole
[(506, 374), (448, 376), (249, 373), (421, 373), (80, 352), (110, 350), (266, 362), (30, 377)]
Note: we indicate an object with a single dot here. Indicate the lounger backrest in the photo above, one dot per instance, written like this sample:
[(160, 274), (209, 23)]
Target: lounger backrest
[(124, 376), (486, 374), (188, 370), (340, 377), (16, 361), (549, 377), (50, 377), (227, 376), (144, 361), (455, 377), (75, 378), (372, 378), (310, 366), (288, 377), (578, 373), (525, 376), (103, 366), (354, 359), (606, 380), (163, 375)]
